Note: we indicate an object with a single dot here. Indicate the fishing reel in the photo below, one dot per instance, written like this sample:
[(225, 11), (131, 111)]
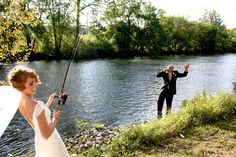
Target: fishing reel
[(62, 99)]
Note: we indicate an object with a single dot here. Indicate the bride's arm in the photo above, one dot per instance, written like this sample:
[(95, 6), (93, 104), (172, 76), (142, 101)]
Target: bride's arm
[(45, 128), (50, 100)]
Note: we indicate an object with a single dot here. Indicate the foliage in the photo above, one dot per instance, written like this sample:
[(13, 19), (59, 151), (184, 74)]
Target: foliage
[(98, 126), (215, 35), (87, 47), (81, 125), (15, 21), (92, 152), (32, 29), (202, 109), (178, 31), (58, 15)]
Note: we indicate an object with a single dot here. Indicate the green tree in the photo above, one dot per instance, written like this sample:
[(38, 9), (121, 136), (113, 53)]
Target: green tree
[(133, 27), (151, 36), (59, 19), (178, 32), (214, 32), (15, 20), (124, 13), (231, 43)]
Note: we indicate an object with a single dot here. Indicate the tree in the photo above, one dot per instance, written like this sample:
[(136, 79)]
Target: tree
[(214, 32), (57, 14), (133, 27), (151, 36), (231, 43), (14, 21), (178, 32), (122, 17)]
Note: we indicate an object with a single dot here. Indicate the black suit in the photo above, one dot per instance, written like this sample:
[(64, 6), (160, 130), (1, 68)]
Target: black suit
[(168, 90)]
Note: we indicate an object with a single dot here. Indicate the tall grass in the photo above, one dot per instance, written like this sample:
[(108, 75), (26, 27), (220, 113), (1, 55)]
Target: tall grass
[(202, 109)]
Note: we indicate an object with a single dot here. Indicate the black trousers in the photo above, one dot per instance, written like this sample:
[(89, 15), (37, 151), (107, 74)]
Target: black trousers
[(164, 95)]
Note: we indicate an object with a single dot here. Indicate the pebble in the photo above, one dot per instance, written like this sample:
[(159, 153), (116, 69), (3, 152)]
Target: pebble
[(91, 138)]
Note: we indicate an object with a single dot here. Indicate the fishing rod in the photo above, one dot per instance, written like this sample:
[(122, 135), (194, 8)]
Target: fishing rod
[(63, 96)]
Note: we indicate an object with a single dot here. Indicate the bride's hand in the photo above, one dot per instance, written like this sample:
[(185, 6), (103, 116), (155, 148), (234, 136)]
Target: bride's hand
[(57, 115), (51, 99)]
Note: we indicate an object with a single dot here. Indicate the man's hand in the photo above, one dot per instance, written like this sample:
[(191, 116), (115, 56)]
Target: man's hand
[(186, 66)]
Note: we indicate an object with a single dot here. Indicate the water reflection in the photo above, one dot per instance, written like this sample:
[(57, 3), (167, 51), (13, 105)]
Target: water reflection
[(115, 92)]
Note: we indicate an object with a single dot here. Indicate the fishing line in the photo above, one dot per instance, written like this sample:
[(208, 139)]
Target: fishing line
[(63, 96)]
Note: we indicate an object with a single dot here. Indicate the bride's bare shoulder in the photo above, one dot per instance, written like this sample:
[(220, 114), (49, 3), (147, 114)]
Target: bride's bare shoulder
[(27, 104), (26, 108)]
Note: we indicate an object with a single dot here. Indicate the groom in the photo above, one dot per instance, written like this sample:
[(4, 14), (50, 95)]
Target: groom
[(168, 90)]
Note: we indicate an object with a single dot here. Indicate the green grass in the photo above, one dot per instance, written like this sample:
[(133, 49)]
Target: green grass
[(205, 140), (184, 133)]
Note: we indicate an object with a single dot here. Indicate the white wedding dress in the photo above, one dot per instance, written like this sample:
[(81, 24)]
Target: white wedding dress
[(51, 147)]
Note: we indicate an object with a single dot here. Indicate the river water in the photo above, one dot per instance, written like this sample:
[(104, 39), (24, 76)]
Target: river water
[(115, 92)]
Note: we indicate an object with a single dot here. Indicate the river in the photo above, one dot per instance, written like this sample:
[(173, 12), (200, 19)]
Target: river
[(114, 92)]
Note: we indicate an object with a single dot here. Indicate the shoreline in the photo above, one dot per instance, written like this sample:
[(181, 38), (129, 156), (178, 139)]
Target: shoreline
[(92, 137)]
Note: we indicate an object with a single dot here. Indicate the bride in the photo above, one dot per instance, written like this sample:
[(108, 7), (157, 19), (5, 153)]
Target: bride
[(48, 142)]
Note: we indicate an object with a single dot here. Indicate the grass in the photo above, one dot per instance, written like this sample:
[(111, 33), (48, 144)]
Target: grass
[(205, 126), (201, 141)]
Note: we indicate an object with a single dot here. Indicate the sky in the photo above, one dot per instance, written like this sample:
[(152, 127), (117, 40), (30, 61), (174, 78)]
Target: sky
[(194, 9)]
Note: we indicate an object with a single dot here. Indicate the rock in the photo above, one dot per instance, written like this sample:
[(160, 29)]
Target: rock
[(94, 138)]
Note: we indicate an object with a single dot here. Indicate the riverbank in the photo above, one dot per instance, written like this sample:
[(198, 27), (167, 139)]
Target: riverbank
[(88, 137), (205, 126), (211, 140)]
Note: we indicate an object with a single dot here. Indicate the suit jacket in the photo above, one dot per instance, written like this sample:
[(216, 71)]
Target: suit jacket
[(171, 84)]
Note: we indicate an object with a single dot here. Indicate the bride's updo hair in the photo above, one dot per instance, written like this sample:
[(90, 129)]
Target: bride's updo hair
[(17, 77)]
